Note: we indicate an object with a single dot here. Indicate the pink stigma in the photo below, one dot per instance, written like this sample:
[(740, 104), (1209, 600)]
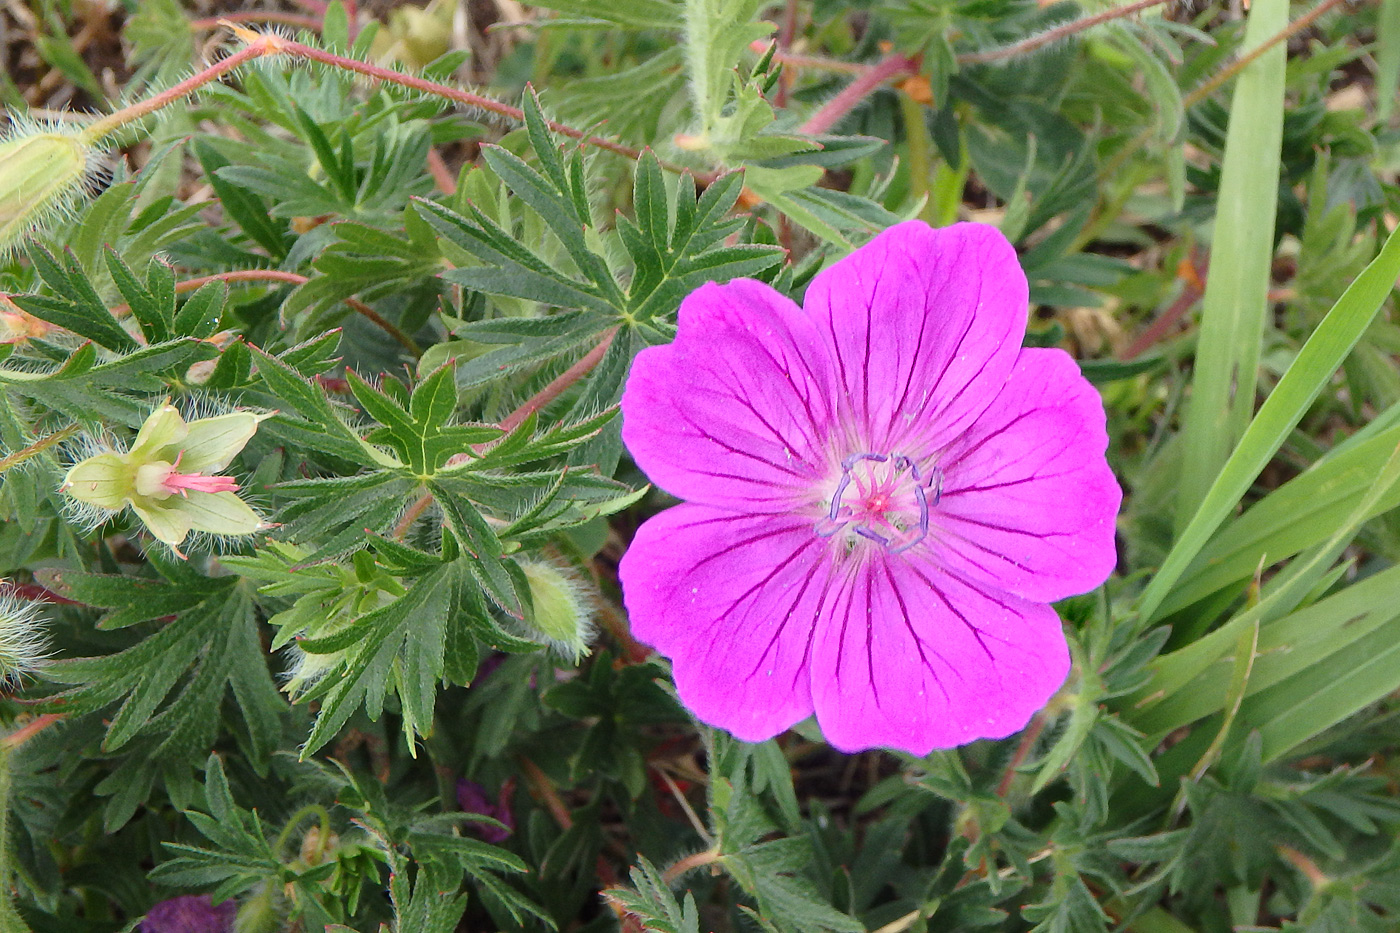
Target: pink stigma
[(184, 482)]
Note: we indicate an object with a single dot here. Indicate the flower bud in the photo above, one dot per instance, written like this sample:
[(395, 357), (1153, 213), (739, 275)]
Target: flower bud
[(561, 616), (262, 911), (23, 646), (38, 173)]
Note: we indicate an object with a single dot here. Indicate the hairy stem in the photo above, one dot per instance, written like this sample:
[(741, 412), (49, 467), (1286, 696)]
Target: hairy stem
[(560, 383), (109, 124), (257, 16), (1244, 61), (275, 45), (1039, 41), (893, 66), (1023, 749), (27, 731), (43, 443), (1157, 331), (1206, 88), (815, 62), (690, 862), (511, 421)]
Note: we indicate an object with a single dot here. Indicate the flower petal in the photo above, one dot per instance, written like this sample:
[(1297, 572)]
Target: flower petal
[(213, 442), (736, 412), (915, 658), (219, 513), (162, 428), (733, 601), (167, 524), (103, 480), (1029, 501), (925, 325)]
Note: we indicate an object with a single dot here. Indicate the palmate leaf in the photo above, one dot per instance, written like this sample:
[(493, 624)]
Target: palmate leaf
[(420, 432), (676, 243), (173, 682), (651, 901), (75, 304), (407, 647), (671, 259)]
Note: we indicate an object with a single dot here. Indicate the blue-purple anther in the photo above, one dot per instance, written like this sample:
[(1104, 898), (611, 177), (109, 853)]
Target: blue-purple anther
[(883, 501)]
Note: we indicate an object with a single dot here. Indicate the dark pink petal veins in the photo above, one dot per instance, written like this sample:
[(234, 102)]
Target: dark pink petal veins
[(732, 600), (1029, 501), (925, 325), (915, 658), (737, 411)]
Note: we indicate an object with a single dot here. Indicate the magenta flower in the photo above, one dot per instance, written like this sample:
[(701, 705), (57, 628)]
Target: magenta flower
[(190, 913), (885, 491), (471, 798)]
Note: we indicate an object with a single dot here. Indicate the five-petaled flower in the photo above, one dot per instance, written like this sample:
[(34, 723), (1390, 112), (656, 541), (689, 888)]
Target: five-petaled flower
[(170, 476), (885, 492)]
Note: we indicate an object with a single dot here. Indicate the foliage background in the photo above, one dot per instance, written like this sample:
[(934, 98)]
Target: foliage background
[(1201, 200)]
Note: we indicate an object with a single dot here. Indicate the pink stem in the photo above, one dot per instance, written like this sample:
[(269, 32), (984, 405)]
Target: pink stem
[(893, 66)]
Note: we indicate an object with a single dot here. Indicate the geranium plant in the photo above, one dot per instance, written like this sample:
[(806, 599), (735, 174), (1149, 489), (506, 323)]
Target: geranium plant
[(688, 465)]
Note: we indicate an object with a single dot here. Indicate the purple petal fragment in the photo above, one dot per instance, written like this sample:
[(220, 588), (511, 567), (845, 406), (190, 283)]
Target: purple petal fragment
[(471, 798), (925, 325), (886, 493), (190, 913), (733, 598), (1029, 501), (736, 412), (916, 659)]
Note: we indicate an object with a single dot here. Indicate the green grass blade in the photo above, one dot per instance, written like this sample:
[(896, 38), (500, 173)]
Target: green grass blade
[(1186, 684), (1309, 373), (1292, 518), (1387, 59), (1236, 296)]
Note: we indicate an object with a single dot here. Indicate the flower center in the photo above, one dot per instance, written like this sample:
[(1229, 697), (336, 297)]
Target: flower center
[(160, 480), (883, 498)]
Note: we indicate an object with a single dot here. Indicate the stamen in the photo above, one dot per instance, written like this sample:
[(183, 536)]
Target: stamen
[(184, 482), (885, 501)]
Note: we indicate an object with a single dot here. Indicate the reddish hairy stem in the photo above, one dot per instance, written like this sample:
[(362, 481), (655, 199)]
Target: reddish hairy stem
[(896, 65), (891, 67), (1031, 43), (1157, 331), (279, 46), (115, 121), (795, 60), (707, 857), (442, 175), (30, 729), (561, 382), (1244, 61), (1023, 750)]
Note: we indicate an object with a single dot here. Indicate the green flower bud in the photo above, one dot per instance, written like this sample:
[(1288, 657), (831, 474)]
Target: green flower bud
[(170, 478), (561, 614), (39, 173)]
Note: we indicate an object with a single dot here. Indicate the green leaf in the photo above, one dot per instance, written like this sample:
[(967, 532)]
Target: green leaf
[(323, 429), (76, 305), (1235, 302), (173, 682), (1310, 371)]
